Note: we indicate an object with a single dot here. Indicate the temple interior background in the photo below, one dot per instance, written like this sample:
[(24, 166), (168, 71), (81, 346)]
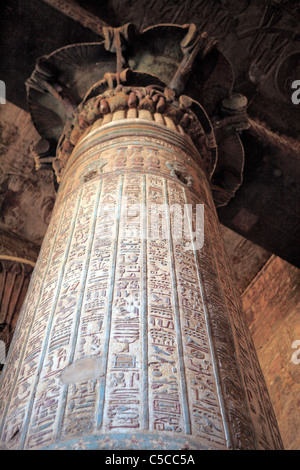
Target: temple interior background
[(260, 225)]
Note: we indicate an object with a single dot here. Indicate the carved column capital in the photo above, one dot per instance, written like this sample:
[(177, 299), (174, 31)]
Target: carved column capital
[(180, 73), (154, 103)]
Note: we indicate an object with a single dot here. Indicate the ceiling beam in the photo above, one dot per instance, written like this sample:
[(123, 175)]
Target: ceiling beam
[(79, 14), (285, 144)]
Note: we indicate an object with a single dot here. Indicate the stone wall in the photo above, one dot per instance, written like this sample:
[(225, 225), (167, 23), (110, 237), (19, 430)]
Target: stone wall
[(272, 308)]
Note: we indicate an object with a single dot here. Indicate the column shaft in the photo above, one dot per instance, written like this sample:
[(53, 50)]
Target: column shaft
[(132, 335)]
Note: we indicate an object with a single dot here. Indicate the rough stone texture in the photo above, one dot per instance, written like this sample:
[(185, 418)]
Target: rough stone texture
[(18, 247), (175, 354), (26, 198), (272, 308), (246, 258)]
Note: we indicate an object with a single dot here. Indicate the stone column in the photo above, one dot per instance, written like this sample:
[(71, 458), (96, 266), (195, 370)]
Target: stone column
[(132, 335)]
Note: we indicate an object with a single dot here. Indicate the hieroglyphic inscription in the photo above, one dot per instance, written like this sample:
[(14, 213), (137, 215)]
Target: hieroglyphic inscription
[(39, 303), (82, 400), (205, 407), (48, 401), (218, 289), (128, 328), (151, 154), (241, 432), (166, 398), (258, 400), (123, 409)]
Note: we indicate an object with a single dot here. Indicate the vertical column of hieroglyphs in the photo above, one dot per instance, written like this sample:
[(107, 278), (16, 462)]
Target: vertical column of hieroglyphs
[(63, 337), (21, 335), (258, 400), (47, 401), (83, 407), (35, 322), (123, 399), (205, 412), (167, 386), (240, 432)]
